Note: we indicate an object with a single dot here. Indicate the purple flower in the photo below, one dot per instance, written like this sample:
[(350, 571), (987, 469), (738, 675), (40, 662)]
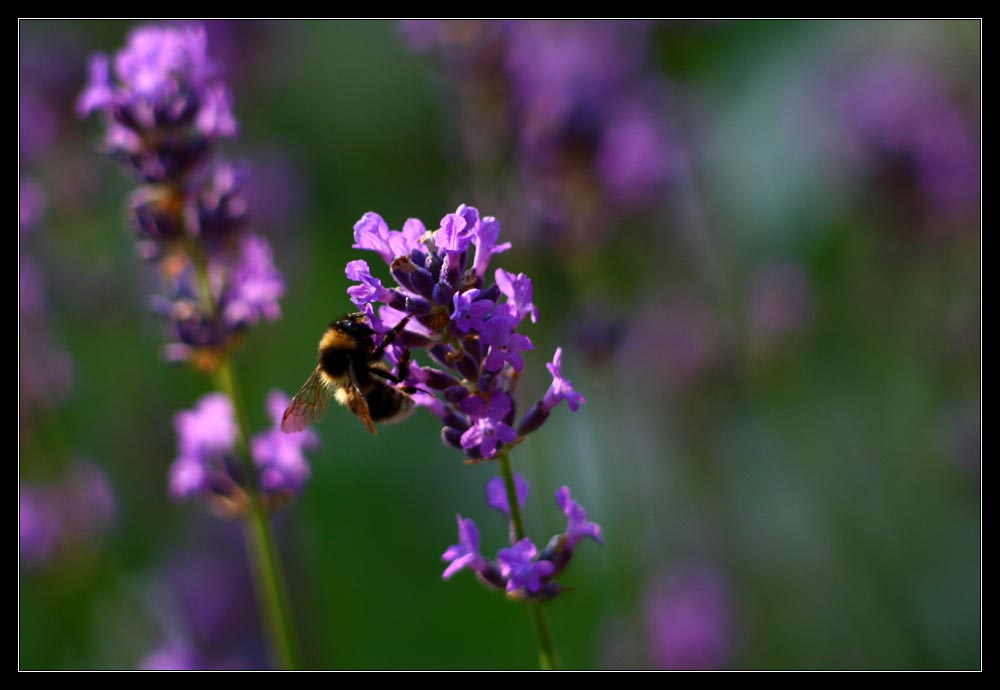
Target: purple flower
[(39, 530), (279, 456), (485, 238), (256, 286), (169, 105), (159, 63), (205, 465), (898, 113), (577, 526), (205, 435), (455, 234), (209, 429), (581, 102), (689, 621), (373, 233), (561, 388), (518, 291), (72, 510), (189, 477), (637, 156), (505, 345), (164, 107), (464, 554), (370, 288), (470, 311), (220, 210), (488, 428), (496, 493), (469, 327), (99, 93), (519, 567)]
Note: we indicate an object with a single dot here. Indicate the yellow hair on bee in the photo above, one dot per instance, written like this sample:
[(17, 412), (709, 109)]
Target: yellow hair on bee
[(342, 395), (336, 339)]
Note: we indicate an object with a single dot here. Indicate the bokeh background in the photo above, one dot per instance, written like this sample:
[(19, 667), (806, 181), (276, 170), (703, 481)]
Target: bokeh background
[(759, 244)]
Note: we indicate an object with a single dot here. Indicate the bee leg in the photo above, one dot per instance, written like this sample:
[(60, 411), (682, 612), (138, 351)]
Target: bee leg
[(382, 373), (389, 337), (403, 368)]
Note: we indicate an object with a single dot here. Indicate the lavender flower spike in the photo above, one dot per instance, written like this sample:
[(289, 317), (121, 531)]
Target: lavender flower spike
[(165, 106)]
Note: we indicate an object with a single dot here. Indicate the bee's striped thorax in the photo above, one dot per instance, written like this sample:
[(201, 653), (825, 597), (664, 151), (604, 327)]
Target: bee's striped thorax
[(339, 351)]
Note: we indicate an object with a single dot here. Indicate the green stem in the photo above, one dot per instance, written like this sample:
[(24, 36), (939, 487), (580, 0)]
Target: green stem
[(547, 657), (268, 575), (272, 592)]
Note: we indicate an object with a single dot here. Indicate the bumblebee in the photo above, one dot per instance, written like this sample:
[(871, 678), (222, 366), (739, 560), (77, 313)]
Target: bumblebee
[(350, 369)]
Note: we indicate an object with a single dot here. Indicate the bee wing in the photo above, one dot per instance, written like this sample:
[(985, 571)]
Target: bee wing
[(308, 405), (356, 403)]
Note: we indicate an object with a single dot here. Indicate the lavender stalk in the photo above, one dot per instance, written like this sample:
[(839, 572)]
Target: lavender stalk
[(446, 302), (165, 111), (547, 657)]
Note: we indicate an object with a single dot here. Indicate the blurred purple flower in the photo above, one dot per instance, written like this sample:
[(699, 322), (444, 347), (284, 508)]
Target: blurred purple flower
[(71, 511), (31, 204), (255, 287), (279, 456), (580, 105), (220, 209), (577, 526), (561, 388), (165, 106), (209, 429), (38, 525), (204, 601), (638, 156), (496, 493), (206, 441), (898, 112), (689, 620), (519, 567), (465, 554), (169, 104)]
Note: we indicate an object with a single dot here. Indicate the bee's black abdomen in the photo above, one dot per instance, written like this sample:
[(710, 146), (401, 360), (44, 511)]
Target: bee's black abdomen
[(385, 402)]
